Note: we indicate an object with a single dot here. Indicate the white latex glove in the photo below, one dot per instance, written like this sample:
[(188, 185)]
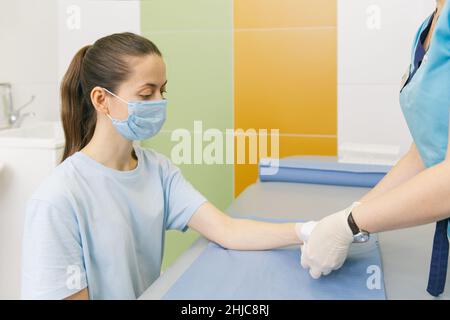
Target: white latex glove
[(304, 230), (328, 243)]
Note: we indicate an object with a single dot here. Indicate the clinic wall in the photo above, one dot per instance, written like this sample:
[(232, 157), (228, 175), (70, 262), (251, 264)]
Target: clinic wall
[(82, 22), (285, 73), (36, 34), (28, 43), (375, 39), (277, 70)]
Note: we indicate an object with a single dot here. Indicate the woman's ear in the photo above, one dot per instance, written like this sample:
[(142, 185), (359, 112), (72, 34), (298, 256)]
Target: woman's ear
[(98, 99)]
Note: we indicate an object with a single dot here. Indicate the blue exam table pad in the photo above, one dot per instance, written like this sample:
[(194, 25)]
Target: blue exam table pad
[(220, 274), (295, 169)]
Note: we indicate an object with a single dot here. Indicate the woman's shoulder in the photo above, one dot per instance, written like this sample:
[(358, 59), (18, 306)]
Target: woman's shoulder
[(55, 188)]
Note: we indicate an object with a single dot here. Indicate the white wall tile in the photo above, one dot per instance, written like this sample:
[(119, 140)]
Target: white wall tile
[(28, 41), (29, 53), (371, 114), (96, 19), (37, 45), (371, 62), (371, 55)]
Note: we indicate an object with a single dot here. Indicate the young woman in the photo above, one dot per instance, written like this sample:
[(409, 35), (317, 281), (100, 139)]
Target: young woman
[(95, 228)]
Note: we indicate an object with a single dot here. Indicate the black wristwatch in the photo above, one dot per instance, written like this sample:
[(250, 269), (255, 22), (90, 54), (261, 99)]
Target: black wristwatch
[(359, 236)]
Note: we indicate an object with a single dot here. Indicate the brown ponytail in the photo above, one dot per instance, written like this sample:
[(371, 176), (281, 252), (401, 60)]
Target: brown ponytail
[(101, 64)]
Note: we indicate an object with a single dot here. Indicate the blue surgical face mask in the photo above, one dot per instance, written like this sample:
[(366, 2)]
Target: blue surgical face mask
[(145, 118)]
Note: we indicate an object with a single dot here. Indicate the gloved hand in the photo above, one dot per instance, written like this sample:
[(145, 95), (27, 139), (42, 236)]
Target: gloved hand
[(303, 230), (328, 244)]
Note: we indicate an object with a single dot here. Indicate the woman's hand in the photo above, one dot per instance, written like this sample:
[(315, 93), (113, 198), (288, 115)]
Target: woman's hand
[(327, 247)]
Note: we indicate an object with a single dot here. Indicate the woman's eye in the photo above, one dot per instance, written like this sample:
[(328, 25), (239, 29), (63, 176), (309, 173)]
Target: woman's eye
[(148, 96)]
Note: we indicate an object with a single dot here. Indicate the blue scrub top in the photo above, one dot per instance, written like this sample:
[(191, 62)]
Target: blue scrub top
[(425, 97), (91, 226)]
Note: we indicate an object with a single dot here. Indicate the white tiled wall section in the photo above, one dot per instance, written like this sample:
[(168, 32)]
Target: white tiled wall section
[(28, 53), (374, 44)]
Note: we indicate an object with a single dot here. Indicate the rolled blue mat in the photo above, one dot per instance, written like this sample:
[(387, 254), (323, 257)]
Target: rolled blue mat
[(321, 172)]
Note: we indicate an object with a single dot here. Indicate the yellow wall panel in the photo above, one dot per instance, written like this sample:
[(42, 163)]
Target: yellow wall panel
[(284, 13), (286, 80), (285, 75)]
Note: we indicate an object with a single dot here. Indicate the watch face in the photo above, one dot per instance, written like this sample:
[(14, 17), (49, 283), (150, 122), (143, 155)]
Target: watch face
[(361, 237)]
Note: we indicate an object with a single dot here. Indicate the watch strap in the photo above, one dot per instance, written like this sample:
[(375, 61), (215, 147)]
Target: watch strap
[(352, 224)]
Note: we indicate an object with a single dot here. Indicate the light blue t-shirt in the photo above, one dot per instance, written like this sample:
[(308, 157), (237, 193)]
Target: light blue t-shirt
[(90, 225)]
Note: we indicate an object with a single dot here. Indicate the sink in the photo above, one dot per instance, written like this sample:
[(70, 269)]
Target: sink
[(48, 135), (27, 156)]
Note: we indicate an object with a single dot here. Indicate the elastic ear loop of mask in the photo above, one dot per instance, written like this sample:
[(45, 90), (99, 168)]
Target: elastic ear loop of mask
[(114, 95)]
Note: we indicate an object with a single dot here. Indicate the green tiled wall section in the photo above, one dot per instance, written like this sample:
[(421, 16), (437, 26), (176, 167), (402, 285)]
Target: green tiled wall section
[(195, 37)]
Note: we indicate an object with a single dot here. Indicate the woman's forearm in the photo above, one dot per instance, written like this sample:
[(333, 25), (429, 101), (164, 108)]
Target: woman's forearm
[(425, 198), (241, 234), (410, 165), (257, 235)]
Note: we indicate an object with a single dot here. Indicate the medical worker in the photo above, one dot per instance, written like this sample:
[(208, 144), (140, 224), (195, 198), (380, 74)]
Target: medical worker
[(417, 189), (95, 227)]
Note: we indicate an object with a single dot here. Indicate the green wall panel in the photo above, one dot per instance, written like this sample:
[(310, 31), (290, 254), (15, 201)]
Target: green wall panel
[(186, 15), (195, 37)]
